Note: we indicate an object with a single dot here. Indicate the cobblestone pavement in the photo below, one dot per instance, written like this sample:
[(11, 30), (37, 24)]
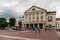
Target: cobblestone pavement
[(24, 35)]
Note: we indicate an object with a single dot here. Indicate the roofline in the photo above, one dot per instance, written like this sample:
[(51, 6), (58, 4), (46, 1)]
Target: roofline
[(34, 6), (51, 12), (57, 18)]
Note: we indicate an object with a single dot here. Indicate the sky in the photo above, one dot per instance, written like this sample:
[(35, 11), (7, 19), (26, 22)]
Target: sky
[(16, 8)]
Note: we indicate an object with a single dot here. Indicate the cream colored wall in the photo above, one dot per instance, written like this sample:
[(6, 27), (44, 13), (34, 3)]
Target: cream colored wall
[(45, 18), (53, 23), (58, 23), (35, 15), (38, 10)]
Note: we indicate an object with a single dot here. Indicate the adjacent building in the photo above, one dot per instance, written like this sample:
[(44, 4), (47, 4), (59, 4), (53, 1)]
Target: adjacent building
[(39, 18), (58, 23)]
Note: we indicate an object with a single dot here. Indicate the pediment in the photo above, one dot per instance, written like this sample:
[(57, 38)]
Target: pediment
[(34, 8)]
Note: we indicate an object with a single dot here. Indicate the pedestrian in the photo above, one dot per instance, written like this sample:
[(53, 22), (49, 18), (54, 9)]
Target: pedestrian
[(39, 29), (35, 30)]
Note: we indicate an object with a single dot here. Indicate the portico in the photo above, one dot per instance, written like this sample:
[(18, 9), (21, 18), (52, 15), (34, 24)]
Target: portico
[(34, 25)]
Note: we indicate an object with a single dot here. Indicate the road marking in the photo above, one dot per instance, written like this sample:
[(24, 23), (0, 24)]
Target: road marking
[(4, 36)]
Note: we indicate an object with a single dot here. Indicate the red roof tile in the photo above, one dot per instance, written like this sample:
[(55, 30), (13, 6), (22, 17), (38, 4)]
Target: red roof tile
[(57, 18)]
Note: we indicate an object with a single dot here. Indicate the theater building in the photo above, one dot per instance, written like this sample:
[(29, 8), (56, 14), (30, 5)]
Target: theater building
[(39, 18)]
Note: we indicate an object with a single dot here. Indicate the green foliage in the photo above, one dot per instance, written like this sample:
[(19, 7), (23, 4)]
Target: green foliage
[(3, 23), (12, 21)]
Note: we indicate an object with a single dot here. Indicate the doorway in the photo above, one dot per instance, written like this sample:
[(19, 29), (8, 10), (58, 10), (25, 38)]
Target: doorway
[(31, 26), (41, 26)]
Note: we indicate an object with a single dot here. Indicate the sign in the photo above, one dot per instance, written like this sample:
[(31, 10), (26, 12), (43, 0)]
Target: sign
[(49, 18)]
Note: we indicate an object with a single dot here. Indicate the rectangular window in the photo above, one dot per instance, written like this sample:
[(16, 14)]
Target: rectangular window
[(41, 13), (37, 13), (37, 17), (37, 20), (29, 18), (29, 14), (41, 18), (33, 17), (33, 14)]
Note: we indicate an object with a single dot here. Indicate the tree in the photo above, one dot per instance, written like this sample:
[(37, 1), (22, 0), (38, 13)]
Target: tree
[(12, 21), (3, 23)]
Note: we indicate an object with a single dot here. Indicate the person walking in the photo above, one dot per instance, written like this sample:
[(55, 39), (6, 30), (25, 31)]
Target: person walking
[(33, 29), (39, 29)]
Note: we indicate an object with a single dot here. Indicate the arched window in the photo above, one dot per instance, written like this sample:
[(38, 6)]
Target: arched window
[(33, 9)]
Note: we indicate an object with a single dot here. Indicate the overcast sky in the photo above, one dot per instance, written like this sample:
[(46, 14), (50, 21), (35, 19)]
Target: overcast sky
[(16, 8)]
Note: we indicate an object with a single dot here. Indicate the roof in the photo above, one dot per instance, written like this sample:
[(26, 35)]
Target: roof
[(57, 18), (52, 12), (36, 7)]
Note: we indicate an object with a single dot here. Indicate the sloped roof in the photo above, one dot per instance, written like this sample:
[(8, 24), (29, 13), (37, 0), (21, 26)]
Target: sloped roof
[(51, 12), (36, 7), (57, 18)]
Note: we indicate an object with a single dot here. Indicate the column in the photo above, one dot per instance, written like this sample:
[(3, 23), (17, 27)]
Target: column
[(43, 26), (29, 26), (33, 26), (22, 27), (25, 27), (38, 26)]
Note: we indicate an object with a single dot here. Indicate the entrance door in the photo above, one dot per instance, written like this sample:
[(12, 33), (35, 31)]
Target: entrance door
[(36, 26), (41, 26), (27, 26), (31, 26)]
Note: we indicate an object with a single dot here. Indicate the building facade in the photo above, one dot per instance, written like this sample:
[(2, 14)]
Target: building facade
[(58, 23), (39, 18)]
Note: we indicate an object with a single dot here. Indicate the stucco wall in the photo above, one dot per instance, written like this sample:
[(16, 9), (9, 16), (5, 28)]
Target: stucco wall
[(58, 24), (53, 22)]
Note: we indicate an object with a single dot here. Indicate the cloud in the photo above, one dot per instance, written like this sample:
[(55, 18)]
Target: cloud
[(16, 8)]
